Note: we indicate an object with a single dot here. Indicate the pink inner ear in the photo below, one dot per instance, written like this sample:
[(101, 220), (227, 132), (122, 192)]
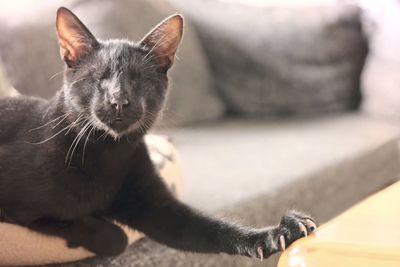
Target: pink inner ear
[(164, 39), (71, 46), (74, 38), (164, 45), (72, 41)]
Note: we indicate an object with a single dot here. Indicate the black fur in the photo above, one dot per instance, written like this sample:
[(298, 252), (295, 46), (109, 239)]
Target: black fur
[(71, 165)]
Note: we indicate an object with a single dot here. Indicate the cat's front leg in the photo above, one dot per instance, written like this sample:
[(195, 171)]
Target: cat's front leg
[(146, 204)]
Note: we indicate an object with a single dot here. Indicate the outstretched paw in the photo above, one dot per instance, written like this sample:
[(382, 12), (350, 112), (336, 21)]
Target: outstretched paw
[(293, 226)]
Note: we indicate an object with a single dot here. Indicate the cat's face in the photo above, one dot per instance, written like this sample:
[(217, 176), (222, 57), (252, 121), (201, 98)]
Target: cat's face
[(118, 85)]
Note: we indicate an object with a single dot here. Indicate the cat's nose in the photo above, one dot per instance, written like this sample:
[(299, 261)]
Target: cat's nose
[(119, 104)]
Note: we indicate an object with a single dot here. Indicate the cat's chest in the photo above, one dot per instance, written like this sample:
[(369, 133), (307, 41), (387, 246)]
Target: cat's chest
[(92, 179), (97, 167), (97, 164)]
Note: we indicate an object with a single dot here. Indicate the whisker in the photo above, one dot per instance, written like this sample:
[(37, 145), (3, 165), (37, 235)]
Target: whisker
[(74, 82), (76, 142), (69, 127), (72, 144), (106, 134), (55, 74), (58, 123), (84, 146), (147, 124), (48, 139), (102, 135), (37, 128), (78, 120)]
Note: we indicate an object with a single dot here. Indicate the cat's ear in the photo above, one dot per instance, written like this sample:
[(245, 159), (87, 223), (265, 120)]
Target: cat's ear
[(74, 38), (164, 40)]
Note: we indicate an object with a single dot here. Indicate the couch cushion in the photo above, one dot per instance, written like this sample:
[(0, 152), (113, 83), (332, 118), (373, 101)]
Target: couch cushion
[(271, 59)]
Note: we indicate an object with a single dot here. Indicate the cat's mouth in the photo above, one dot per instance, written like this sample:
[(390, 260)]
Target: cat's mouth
[(122, 125), (117, 122), (118, 126)]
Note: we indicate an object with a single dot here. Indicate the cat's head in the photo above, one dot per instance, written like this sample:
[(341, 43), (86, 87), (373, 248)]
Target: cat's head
[(117, 85)]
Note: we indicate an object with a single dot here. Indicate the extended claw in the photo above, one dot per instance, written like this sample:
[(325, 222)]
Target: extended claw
[(260, 253), (282, 242), (303, 229), (311, 225)]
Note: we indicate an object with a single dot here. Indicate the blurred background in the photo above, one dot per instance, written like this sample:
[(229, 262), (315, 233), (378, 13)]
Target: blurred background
[(273, 104)]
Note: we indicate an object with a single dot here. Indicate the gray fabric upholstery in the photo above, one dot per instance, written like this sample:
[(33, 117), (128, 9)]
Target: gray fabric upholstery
[(270, 59)]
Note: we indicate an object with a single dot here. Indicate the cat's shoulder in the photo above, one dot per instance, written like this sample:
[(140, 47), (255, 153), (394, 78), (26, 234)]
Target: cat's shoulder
[(15, 110), (20, 103), (21, 100)]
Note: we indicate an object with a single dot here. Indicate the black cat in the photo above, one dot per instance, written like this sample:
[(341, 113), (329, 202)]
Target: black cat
[(71, 165)]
